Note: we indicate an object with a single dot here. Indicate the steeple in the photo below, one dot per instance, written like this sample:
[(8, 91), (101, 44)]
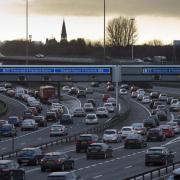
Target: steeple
[(63, 32)]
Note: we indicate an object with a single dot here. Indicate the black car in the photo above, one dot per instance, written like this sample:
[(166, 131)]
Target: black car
[(8, 130), (73, 91), (110, 87), (92, 101), (66, 119), (27, 115), (9, 169), (99, 150), (154, 95), (155, 134), (149, 123), (94, 84), (155, 117), (158, 155), (56, 161), (51, 116), (162, 115), (134, 141), (84, 141), (81, 93), (30, 156), (42, 122)]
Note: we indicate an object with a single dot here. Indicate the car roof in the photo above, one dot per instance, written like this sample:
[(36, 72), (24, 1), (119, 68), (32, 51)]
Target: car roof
[(58, 173), (5, 161), (55, 153), (87, 135), (31, 148), (160, 148), (126, 127), (111, 130)]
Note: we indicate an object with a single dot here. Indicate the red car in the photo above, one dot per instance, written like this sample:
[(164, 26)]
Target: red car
[(167, 130), (105, 97)]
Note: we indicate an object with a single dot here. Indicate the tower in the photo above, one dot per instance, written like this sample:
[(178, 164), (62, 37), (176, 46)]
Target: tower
[(63, 32)]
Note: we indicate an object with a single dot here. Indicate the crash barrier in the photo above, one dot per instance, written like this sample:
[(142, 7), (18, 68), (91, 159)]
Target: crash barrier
[(156, 174), (70, 139), (3, 108)]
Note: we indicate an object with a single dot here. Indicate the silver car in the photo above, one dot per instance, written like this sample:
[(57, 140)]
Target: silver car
[(109, 107), (58, 130), (79, 112), (29, 124), (102, 112), (112, 135), (91, 119)]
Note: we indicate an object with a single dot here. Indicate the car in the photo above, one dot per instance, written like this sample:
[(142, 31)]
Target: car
[(99, 150), (39, 55), (139, 128), (35, 104), (174, 101), (79, 112), (10, 93), (175, 175), (2, 122), (33, 110), (112, 135), (134, 94), (57, 161), (123, 91), (155, 104), (140, 96), (111, 100), (109, 107), (91, 119), (133, 88), (84, 140), (51, 116), (65, 88), (29, 124), (94, 84), (175, 106), (102, 112), (14, 120), (89, 90), (88, 107), (64, 176), (175, 126), (155, 117), (158, 155), (73, 91), (161, 107), (110, 87), (58, 130), (8, 130), (146, 100), (2, 89), (57, 111), (27, 115), (10, 169), (140, 91), (41, 121), (162, 97), (162, 116), (156, 134), (167, 130), (169, 99), (149, 123), (66, 119), (30, 156), (92, 101), (134, 141), (105, 97), (126, 130), (124, 86), (81, 93), (154, 95)]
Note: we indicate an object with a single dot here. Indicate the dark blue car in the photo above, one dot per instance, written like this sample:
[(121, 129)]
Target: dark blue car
[(8, 130), (14, 120)]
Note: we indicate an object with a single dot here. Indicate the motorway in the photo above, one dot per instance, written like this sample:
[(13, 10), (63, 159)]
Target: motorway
[(125, 162)]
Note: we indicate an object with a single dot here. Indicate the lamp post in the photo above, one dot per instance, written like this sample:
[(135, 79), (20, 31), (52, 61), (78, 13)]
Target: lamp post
[(27, 39), (104, 31), (132, 51)]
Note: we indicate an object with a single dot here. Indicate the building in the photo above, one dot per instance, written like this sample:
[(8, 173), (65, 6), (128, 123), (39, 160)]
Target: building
[(63, 32)]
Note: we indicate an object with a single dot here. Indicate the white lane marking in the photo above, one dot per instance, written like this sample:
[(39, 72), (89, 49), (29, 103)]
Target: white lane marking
[(144, 107), (120, 147), (127, 167), (172, 116), (32, 170), (95, 177), (119, 107)]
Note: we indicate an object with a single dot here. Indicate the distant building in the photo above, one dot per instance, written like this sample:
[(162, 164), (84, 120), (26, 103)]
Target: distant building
[(63, 32)]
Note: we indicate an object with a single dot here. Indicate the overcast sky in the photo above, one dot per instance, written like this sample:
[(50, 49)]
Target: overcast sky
[(155, 18)]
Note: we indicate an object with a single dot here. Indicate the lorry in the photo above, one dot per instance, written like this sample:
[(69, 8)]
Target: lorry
[(46, 93)]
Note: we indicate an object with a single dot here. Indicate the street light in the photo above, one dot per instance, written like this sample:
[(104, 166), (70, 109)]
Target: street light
[(27, 39), (104, 31), (132, 52)]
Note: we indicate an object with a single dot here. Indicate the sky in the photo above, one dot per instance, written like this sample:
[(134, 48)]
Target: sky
[(156, 19)]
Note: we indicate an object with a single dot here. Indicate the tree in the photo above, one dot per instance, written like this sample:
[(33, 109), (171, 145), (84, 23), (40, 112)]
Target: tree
[(155, 42), (121, 31)]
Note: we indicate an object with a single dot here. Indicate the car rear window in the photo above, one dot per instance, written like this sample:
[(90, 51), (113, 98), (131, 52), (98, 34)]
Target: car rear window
[(56, 178), (155, 150), (94, 147), (126, 129), (53, 157), (109, 132), (4, 166), (85, 138)]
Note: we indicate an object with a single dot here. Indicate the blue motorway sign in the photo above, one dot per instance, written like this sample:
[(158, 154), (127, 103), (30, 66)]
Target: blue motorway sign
[(168, 70), (56, 70)]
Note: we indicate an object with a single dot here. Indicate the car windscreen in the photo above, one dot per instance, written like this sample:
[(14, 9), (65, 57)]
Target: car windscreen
[(52, 157), (27, 152), (90, 116), (95, 147), (6, 128), (137, 125), (126, 129), (66, 116), (56, 178), (4, 166), (85, 138), (154, 151), (109, 132)]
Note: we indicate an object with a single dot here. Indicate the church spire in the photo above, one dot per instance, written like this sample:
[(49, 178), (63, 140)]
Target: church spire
[(63, 32)]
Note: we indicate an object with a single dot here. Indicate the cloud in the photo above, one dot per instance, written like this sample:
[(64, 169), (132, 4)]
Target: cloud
[(95, 7)]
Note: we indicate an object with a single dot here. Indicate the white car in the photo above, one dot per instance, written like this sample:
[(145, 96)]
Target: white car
[(29, 124), (112, 135), (89, 90), (58, 130), (146, 100), (79, 112), (126, 130), (141, 91), (174, 101), (102, 112), (39, 55), (175, 106), (3, 89), (91, 119), (111, 100), (175, 126), (122, 91), (66, 88), (88, 107), (109, 107), (163, 97), (134, 94)]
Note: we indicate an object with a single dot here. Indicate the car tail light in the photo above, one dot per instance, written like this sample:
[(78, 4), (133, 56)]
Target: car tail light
[(90, 142)]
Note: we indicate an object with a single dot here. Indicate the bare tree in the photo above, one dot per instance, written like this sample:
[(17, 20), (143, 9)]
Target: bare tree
[(121, 31), (155, 42)]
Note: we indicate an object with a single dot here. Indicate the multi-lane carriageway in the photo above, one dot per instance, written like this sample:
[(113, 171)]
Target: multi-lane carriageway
[(124, 162)]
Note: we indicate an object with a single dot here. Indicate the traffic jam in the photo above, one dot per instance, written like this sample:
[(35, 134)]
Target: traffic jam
[(45, 109)]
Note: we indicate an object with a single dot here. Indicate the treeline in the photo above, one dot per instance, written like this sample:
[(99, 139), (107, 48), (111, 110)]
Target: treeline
[(79, 47)]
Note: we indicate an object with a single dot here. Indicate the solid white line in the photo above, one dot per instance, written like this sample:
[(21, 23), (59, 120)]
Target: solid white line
[(127, 167), (95, 177), (172, 116)]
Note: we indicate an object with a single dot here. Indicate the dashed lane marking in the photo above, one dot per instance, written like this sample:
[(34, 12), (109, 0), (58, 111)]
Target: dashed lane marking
[(96, 177)]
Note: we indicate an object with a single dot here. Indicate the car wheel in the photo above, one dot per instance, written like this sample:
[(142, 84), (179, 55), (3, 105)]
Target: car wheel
[(43, 169), (87, 157), (62, 167), (105, 156), (77, 151), (22, 129), (146, 164), (72, 165)]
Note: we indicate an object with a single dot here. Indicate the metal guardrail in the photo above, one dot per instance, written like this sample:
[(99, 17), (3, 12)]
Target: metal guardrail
[(157, 173), (69, 139)]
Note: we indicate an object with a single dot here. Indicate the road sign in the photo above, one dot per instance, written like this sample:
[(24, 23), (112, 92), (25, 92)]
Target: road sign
[(160, 71)]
